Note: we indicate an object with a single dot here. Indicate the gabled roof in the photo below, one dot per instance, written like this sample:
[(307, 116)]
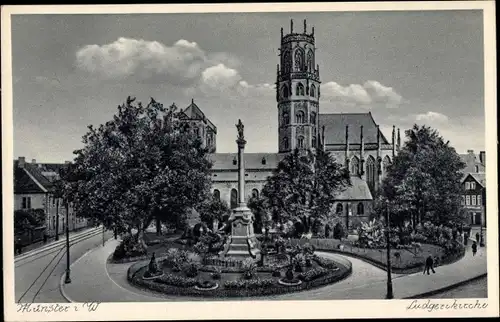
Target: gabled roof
[(335, 126), (35, 177), (358, 190), (193, 112), (224, 161), (479, 177)]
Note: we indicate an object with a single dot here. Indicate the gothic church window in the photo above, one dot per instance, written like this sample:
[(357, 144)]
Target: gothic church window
[(286, 62), (385, 164), (286, 118), (354, 165), (255, 193), (300, 117), (216, 194), (300, 142), (299, 91), (285, 143), (313, 118), (284, 91), (313, 91), (310, 61), (370, 172), (299, 60)]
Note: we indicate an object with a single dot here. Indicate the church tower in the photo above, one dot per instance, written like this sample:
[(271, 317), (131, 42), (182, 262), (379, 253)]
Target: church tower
[(298, 91)]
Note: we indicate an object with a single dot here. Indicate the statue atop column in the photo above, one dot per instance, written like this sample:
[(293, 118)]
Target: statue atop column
[(240, 127)]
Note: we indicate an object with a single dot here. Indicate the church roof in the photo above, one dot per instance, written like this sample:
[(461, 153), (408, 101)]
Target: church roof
[(253, 161), (193, 112), (335, 125), (358, 190)]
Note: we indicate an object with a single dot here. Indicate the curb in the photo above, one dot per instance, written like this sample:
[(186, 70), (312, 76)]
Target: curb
[(446, 288), (61, 282)]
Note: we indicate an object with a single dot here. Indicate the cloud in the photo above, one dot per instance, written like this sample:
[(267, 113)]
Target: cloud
[(178, 64), (370, 93), (431, 117)]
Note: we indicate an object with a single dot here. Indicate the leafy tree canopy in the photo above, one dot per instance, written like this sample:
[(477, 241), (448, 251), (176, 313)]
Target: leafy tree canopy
[(424, 180), (304, 186), (141, 164)]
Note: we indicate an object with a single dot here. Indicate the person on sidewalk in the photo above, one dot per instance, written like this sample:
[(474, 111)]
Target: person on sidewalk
[(429, 265), (474, 248), (477, 237)]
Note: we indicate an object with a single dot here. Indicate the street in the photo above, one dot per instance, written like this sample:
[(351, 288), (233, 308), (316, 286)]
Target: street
[(38, 274), (474, 289)]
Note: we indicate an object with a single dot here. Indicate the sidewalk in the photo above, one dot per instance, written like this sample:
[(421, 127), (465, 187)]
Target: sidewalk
[(95, 280)]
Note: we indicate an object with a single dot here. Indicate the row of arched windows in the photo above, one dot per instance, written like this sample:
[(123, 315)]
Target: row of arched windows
[(300, 118), (360, 209), (370, 166), (299, 90), (300, 63), (300, 142), (234, 196)]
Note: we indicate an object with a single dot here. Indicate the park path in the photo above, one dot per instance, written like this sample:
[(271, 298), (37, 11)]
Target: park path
[(96, 280)]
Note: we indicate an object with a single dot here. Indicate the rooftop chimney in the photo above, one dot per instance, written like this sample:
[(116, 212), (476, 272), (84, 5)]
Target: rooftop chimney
[(470, 151), (21, 162), (482, 157)]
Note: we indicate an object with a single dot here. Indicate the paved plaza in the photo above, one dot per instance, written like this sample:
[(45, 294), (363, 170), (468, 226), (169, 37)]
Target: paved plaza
[(96, 280)]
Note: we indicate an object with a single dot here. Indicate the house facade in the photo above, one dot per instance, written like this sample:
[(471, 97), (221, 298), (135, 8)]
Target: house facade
[(34, 189), (474, 198)]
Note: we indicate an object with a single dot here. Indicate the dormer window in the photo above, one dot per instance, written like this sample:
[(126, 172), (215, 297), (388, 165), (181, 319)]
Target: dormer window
[(263, 160), (235, 162)]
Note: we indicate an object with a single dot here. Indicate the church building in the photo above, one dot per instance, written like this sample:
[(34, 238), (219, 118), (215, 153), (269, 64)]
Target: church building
[(353, 139)]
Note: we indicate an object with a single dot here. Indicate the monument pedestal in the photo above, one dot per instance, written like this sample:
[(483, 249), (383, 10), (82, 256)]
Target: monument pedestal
[(243, 243)]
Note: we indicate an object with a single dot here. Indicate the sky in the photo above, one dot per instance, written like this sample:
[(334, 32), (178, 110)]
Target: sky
[(70, 71)]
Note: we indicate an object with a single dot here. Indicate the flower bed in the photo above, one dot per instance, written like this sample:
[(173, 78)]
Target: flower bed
[(261, 283), (403, 261)]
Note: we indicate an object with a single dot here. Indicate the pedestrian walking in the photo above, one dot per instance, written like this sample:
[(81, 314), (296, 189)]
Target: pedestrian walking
[(474, 248), (45, 237), (429, 265), (477, 237)]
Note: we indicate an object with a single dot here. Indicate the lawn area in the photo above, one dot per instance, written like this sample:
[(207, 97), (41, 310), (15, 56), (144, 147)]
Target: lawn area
[(403, 261)]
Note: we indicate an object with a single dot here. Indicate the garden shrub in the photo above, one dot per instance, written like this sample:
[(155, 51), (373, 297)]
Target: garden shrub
[(176, 280), (313, 274), (130, 247), (323, 262), (249, 284)]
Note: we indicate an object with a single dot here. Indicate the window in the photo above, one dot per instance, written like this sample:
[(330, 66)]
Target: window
[(299, 91), (216, 194), (285, 143), (300, 142), (299, 60), (310, 61), (285, 92), (472, 185), (370, 172), (473, 200), (255, 193), (263, 161), (385, 164), (313, 118), (476, 168), (467, 186), (312, 91), (355, 165), (479, 201), (234, 161), (463, 200), (286, 118), (234, 198), (314, 141), (299, 117), (467, 200), (361, 209), (26, 203), (340, 208)]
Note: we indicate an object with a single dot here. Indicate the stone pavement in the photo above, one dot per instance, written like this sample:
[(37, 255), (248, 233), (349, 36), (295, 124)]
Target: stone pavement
[(95, 280)]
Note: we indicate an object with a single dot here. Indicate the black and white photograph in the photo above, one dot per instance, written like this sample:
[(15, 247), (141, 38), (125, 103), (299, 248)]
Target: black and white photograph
[(273, 161)]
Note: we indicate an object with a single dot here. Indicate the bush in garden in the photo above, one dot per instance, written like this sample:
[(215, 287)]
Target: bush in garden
[(176, 280), (371, 234), (249, 284), (339, 231), (249, 267), (217, 273), (130, 247), (313, 274)]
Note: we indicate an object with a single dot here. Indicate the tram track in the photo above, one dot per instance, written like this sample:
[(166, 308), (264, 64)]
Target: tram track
[(56, 253)]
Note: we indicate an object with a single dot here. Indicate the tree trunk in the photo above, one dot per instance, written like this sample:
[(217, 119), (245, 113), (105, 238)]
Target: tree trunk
[(158, 227)]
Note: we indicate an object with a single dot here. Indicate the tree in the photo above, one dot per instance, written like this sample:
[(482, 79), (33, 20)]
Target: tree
[(423, 183), (304, 187), (27, 220), (140, 165), (339, 231), (213, 210), (258, 206)]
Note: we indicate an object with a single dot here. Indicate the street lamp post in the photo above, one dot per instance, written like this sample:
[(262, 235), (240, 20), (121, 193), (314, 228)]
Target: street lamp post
[(67, 280), (390, 294)]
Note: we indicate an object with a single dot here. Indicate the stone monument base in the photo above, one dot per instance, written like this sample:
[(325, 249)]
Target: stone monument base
[(243, 243)]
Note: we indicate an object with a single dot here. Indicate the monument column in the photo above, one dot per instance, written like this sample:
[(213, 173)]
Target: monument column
[(242, 242)]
